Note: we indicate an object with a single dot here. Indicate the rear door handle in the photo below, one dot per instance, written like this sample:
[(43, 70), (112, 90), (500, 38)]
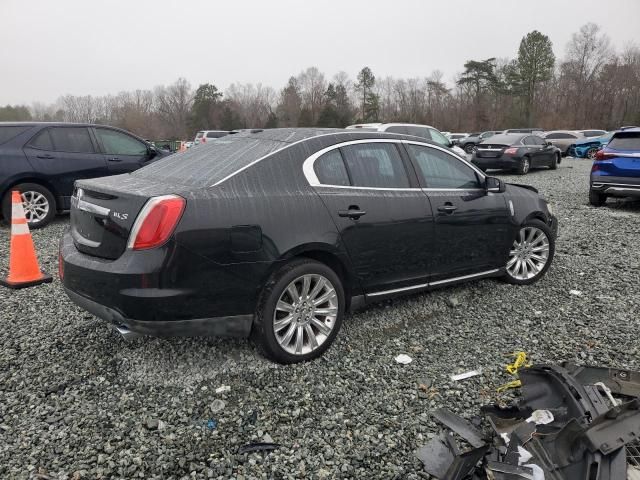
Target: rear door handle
[(114, 159), (45, 155), (353, 212), (447, 208)]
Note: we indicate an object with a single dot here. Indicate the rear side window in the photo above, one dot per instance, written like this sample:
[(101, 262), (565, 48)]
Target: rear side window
[(422, 132), (330, 169), (377, 165), (7, 133), (529, 141), (626, 141), (118, 143), (42, 140), (554, 136), (216, 134), (199, 134), (71, 139), (441, 170), (593, 133), (437, 137), (397, 129)]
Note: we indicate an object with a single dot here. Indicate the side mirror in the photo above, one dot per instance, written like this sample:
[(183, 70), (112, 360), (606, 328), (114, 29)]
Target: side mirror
[(549, 144), (494, 185)]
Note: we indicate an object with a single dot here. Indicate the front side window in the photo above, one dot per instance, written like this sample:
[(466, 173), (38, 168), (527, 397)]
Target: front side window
[(437, 137), (376, 165), (71, 139), (441, 170), (118, 143), (330, 169)]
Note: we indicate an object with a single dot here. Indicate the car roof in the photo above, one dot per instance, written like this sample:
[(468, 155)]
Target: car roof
[(377, 126)]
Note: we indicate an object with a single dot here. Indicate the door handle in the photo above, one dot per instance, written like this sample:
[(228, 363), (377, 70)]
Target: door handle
[(354, 212), (447, 208), (45, 155), (114, 159)]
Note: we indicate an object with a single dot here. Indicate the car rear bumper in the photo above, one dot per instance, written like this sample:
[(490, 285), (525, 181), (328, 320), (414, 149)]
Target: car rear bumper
[(616, 186), (160, 292), (503, 162)]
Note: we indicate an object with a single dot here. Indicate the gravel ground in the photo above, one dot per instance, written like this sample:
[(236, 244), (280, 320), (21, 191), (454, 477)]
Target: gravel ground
[(76, 401)]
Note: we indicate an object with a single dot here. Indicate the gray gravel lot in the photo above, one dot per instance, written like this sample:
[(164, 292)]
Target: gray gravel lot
[(76, 401)]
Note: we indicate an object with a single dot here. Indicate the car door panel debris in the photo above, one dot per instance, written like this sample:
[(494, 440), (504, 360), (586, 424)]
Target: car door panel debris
[(570, 423)]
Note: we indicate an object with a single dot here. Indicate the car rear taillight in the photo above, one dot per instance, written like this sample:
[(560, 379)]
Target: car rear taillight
[(511, 151), (156, 222), (203, 140), (602, 155)]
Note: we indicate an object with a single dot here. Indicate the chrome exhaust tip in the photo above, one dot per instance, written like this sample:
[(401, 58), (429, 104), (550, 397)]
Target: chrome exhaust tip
[(127, 335)]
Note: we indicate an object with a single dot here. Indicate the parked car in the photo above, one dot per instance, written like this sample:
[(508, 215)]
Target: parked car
[(456, 137), (277, 234), (469, 143), (188, 144), (563, 139), (588, 147), (616, 169), (424, 131), (518, 152), (42, 160), (592, 133), (206, 135), (536, 131)]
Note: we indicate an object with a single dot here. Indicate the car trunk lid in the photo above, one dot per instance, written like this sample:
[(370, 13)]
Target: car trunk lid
[(104, 210), (490, 150)]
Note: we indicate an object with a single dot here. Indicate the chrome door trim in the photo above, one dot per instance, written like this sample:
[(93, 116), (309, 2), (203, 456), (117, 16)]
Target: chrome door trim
[(397, 290), (464, 277)]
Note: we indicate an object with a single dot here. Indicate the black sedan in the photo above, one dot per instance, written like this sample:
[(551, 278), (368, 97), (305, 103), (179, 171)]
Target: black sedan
[(277, 233), (519, 152)]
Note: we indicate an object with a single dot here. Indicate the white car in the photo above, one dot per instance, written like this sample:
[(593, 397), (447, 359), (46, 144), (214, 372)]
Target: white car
[(203, 136), (424, 131)]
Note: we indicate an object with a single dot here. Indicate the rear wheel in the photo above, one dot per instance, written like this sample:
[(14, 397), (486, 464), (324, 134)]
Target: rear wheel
[(597, 199), (525, 165), (531, 253), (469, 148), (38, 202), (591, 153), (300, 312)]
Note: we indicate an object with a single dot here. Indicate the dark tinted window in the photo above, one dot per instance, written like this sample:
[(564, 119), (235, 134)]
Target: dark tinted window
[(118, 143), (422, 132), (441, 170), (330, 169), (42, 140), (397, 129), (553, 136), (530, 141), (7, 133), (593, 133), (626, 141), (71, 139), (216, 134), (376, 165), (503, 139)]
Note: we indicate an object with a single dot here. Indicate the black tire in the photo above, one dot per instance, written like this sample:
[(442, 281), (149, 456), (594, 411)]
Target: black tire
[(524, 166), (469, 147), (552, 248), (25, 188), (263, 332), (597, 199), (555, 162)]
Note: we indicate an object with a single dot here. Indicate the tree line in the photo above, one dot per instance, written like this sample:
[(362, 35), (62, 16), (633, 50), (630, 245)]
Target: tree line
[(592, 86)]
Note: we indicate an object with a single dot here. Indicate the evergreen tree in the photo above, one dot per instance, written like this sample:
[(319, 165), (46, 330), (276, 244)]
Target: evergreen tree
[(204, 102), (370, 101)]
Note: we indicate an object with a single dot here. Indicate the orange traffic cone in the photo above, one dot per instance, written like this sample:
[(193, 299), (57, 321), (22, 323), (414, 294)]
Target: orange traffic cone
[(24, 270)]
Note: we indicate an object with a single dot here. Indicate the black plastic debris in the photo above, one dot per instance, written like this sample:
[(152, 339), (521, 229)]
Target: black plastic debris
[(570, 423), (258, 447)]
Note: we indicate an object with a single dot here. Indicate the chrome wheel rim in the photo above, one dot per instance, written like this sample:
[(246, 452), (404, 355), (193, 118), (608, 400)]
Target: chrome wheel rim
[(525, 165), (529, 253), (36, 206), (591, 153), (305, 314)]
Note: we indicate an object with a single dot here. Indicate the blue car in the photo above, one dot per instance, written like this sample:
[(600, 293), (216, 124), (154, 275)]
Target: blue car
[(616, 169), (588, 147)]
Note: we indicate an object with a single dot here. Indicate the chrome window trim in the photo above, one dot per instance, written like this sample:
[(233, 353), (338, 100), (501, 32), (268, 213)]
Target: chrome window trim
[(431, 284), (312, 178)]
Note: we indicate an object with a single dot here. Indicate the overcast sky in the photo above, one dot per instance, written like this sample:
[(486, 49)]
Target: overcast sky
[(51, 48)]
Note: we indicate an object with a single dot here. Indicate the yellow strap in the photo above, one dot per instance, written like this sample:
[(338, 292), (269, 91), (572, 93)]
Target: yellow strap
[(511, 384), (519, 362)]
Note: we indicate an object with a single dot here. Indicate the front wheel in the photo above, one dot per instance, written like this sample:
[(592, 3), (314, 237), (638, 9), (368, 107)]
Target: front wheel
[(555, 162), (531, 253), (300, 312), (469, 148), (591, 153)]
